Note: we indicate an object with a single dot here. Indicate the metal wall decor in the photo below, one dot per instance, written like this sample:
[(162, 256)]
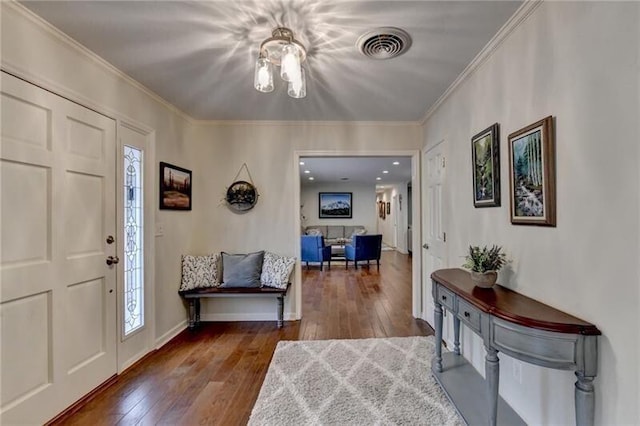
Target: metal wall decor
[(241, 195)]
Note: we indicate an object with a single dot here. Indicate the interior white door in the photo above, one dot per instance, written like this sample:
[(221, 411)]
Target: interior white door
[(433, 238), (58, 301)]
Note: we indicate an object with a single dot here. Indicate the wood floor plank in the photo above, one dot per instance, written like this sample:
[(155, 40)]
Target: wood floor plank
[(212, 376)]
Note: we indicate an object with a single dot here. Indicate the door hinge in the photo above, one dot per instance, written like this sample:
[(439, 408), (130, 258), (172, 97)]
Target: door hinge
[(443, 162), (444, 237)]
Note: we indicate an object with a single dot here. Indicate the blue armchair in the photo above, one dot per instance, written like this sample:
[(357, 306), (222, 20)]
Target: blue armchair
[(312, 249), (363, 247)]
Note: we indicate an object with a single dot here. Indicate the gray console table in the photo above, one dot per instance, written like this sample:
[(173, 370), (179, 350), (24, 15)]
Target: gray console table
[(518, 326)]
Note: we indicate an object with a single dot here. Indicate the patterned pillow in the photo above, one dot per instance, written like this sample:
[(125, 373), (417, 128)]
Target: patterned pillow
[(276, 270), (314, 231), (199, 271)]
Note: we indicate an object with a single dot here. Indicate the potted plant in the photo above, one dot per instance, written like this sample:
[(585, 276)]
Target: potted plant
[(484, 264)]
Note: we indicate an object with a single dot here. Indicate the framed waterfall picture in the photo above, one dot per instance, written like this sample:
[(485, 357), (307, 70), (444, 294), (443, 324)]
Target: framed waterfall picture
[(485, 154), (334, 205), (532, 174)]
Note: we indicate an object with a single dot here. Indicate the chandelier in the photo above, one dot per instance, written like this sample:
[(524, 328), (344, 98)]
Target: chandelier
[(283, 50)]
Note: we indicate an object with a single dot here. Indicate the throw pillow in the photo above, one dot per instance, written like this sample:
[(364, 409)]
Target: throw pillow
[(314, 231), (276, 270), (360, 231), (241, 270), (199, 271)]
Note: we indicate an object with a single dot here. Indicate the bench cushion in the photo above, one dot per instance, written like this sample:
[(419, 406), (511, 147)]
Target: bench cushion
[(199, 271), (276, 270), (241, 270)]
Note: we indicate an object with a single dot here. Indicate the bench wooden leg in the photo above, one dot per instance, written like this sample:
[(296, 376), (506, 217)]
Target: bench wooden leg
[(280, 311), (198, 311), (192, 313)]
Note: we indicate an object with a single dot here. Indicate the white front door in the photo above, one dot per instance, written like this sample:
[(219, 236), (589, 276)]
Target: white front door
[(433, 238), (58, 299)]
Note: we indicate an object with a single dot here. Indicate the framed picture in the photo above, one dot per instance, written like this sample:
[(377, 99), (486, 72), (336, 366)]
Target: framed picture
[(532, 174), (388, 207), (334, 205), (485, 154), (175, 187), (381, 209)]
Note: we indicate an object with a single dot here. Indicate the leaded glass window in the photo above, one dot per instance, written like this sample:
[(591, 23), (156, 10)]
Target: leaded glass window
[(133, 238)]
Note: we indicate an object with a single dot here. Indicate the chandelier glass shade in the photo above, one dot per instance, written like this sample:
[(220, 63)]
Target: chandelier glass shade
[(283, 50)]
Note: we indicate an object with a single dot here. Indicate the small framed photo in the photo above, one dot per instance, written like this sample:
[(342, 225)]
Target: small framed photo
[(175, 187), (485, 154), (532, 174), (388, 207), (334, 205)]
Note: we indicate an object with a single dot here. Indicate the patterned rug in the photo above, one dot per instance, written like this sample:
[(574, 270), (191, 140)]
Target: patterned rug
[(353, 382)]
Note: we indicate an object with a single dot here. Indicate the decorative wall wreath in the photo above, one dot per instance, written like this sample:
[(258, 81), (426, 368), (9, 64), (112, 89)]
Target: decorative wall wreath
[(242, 195)]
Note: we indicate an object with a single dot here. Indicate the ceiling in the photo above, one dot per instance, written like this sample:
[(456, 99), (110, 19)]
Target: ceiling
[(356, 170), (200, 55)]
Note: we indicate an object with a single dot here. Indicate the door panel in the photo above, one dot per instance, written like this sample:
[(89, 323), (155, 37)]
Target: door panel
[(433, 228), (57, 168)]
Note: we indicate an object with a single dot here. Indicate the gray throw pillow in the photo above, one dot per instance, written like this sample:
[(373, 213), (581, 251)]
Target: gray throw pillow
[(241, 270)]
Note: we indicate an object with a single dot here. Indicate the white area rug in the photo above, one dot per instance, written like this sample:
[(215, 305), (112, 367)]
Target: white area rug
[(353, 382)]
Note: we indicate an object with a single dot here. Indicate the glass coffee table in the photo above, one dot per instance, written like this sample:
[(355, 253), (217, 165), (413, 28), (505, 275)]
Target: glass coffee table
[(337, 249)]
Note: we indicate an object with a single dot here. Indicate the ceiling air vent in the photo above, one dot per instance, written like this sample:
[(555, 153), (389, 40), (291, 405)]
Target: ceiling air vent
[(384, 43)]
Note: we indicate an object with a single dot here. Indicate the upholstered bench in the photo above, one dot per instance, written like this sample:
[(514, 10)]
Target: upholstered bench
[(259, 274), (194, 296)]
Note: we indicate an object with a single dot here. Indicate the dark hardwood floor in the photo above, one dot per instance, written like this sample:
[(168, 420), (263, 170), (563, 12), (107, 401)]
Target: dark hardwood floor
[(213, 375)]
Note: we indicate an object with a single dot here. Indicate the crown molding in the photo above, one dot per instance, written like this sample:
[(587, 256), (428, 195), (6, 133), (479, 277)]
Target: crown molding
[(294, 123), (93, 57), (523, 12)]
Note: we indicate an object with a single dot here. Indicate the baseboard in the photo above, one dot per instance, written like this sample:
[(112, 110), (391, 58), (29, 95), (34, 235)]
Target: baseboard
[(166, 337), (73, 408), (244, 316), (135, 359)]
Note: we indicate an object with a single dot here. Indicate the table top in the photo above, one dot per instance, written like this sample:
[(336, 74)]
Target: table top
[(514, 307)]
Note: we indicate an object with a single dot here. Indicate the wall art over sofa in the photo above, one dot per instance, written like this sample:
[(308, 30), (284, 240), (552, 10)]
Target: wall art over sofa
[(175, 187), (532, 174), (335, 205)]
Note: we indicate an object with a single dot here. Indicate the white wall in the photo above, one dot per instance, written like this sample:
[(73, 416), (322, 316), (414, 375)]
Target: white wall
[(579, 63), (218, 151), (363, 200), (36, 53)]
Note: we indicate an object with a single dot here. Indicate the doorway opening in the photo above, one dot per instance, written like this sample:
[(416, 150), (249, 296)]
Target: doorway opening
[(368, 178)]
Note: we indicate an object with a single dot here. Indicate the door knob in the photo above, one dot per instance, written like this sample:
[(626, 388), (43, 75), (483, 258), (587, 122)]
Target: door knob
[(110, 239), (112, 260), (425, 246)]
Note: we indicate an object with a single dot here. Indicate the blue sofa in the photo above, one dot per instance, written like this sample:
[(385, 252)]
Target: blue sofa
[(363, 247), (312, 249)]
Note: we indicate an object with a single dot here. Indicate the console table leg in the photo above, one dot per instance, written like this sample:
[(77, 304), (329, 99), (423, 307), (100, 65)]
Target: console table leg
[(198, 311), (492, 372), (584, 400), (438, 321), (280, 311), (456, 335)]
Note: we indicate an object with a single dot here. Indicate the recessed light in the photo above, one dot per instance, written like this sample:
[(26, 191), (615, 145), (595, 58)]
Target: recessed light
[(307, 171), (385, 171), (302, 163), (395, 163), (310, 177), (378, 178)]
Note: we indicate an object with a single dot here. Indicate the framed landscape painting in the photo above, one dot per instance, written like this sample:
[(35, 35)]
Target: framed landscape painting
[(175, 187), (532, 174), (334, 205), (485, 154)]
